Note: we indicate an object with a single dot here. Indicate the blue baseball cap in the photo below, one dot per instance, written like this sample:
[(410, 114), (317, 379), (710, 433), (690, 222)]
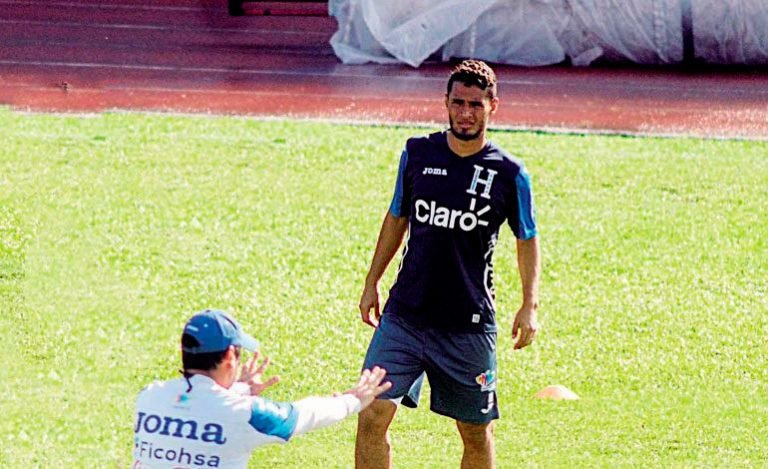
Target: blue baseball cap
[(215, 331)]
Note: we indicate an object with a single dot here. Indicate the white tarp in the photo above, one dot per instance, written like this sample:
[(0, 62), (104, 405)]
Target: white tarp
[(731, 31), (543, 32)]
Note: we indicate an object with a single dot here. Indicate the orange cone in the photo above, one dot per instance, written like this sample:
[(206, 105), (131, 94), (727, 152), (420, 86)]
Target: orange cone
[(556, 392)]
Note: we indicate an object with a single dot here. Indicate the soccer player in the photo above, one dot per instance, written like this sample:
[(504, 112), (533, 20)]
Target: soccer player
[(212, 418), (454, 190)]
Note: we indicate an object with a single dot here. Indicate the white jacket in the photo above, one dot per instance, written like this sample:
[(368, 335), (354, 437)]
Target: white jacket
[(211, 426)]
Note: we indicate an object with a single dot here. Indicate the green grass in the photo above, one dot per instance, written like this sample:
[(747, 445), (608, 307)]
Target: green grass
[(115, 228)]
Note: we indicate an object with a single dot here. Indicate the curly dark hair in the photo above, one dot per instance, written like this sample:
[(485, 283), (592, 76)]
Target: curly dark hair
[(474, 73)]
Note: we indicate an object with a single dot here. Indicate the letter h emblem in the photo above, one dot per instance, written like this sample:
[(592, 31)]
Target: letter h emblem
[(485, 182)]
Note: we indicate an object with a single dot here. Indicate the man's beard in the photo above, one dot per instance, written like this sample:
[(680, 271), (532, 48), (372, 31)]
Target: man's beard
[(461, 136)]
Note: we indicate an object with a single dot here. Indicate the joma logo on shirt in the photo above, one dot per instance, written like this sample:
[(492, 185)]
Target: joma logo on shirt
[(178, 428), (436, 171), (431, 214)]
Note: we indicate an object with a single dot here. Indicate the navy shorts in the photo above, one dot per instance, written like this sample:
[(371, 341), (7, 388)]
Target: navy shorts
[(461, 368)]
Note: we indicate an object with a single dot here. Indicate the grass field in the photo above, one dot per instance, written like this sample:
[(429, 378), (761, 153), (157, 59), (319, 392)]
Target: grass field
[(115, 228)]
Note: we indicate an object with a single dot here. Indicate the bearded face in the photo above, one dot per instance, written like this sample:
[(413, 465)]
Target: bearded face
[(469, 109)]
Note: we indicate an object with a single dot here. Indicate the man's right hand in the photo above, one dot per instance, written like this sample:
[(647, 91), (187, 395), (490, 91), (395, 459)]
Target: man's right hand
[(369, 302), (252, 375), (370, 386)]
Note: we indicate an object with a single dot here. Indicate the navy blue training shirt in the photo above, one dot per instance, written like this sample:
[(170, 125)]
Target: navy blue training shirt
[(455, 206)]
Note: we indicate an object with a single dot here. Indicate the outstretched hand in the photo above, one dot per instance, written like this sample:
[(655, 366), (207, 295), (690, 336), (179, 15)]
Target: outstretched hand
[(251, 375), (370, 386)]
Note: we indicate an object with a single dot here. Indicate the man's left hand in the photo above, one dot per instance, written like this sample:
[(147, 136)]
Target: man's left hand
[(525, 326)]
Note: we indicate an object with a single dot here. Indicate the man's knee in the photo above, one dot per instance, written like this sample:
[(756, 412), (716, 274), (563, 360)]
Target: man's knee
[(375, 418), (476, 435)]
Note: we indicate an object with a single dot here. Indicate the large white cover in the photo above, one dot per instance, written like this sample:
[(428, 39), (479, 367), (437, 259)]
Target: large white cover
[(543, 32)]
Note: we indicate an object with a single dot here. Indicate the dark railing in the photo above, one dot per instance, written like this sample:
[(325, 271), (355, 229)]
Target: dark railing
[(282, 8)]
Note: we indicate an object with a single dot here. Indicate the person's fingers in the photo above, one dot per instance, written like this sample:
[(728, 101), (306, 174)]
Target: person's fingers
[(363, 378), (263, 366), (515, 328), (526, 337), (368, 380), (254, 360), (534, 330), (377, 375), (271, 382), (527, 332), (384, 387), (520, 337), (365, 315), (374, 385), (369, 308), (377, 311)]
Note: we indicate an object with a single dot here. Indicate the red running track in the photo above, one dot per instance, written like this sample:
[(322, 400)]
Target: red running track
[(190, 56)]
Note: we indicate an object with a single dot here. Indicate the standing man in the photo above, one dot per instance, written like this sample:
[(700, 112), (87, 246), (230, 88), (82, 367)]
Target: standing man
[(212, 418), (454, 190)]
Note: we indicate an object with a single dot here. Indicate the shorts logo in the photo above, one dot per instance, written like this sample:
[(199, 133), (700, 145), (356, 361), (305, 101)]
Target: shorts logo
[(491, 403), (487, 380)]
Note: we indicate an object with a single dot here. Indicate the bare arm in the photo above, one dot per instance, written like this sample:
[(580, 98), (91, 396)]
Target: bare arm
[(390, 237), (529, 264)]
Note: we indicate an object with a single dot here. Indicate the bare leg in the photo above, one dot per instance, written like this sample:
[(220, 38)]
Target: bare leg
[(479, 452), (372, 444)]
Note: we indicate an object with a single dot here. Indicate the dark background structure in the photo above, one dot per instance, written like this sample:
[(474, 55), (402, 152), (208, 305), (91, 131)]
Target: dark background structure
[(192, 56)]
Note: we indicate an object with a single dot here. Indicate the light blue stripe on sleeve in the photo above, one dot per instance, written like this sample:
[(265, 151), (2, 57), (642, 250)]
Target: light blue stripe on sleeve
[(526, 220), (396, 207), (274, 419)]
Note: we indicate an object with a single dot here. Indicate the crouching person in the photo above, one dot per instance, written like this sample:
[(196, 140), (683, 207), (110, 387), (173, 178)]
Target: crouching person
[(211, 417)]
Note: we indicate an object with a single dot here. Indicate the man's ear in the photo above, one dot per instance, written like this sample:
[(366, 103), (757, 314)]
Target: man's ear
[(494, 105), (231, 355)]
